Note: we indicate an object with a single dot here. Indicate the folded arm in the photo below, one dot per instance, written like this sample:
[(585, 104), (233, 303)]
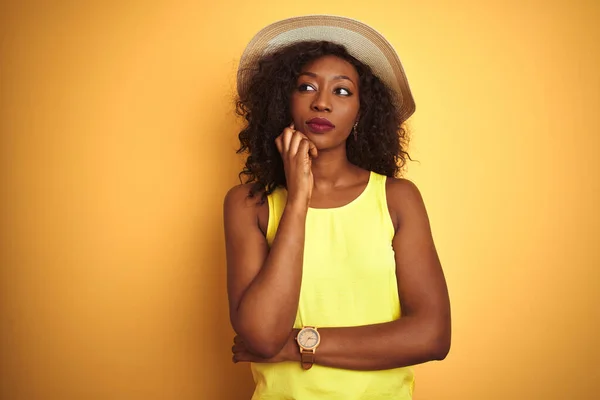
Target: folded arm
[(263, 286), (423, 332)]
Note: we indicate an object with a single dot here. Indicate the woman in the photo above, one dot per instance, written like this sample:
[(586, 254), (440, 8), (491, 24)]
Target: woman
[(334, 283)]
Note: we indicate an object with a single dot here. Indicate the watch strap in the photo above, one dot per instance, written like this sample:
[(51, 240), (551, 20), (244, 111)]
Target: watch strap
[(308, 359)]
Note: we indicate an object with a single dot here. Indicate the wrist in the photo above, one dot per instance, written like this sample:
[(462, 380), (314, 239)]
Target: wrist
[(293, 353), (308, 340), (297, 207)]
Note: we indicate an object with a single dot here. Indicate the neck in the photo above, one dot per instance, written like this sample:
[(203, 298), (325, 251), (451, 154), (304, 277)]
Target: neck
[(332, 168)]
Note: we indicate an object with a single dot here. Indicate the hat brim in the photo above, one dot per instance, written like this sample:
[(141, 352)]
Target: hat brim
[(360, 40)]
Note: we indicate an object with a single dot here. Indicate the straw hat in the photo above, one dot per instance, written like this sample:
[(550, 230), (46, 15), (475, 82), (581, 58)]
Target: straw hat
[(362, 42)]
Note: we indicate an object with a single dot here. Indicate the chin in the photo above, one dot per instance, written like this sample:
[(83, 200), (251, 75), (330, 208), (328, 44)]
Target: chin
[(322, 142)]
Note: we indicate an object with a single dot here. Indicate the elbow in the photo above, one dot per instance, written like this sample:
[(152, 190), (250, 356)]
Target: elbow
[(440, 349), (261, 342), (263, 349), (435, 340), (440, 345)]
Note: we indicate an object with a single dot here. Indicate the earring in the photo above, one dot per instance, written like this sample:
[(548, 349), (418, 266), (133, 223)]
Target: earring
[(354, 133)]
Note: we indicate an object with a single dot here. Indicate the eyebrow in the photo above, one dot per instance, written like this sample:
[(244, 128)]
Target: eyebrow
[(313, 75)]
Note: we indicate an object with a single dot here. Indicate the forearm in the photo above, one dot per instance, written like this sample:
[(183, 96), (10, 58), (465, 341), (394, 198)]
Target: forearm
[(267, 310), (407, 341)]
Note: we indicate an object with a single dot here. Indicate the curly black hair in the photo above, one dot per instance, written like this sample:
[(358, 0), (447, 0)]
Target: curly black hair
[(381, 140)]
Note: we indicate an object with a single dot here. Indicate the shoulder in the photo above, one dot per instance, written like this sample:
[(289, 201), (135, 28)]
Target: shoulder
[(238, 193), (240, 209), (404, 198), (402, 190), (238, 198)]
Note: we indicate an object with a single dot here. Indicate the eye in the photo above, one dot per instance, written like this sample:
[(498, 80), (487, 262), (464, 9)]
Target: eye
[(343, 92), (305, 87)]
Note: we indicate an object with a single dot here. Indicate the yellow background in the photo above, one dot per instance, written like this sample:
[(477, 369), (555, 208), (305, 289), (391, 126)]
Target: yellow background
[(117, 147)]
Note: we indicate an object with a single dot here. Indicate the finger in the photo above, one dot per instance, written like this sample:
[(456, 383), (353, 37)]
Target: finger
[(302, 134), (246, 357), (312, 150), (287, 138), (237, 339), (303, 150), (238, 347), (296, 139), (312, 146), (279, 144), (292, 126)]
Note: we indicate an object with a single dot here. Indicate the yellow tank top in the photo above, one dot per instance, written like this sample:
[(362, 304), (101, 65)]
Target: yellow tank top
[(348, 279)]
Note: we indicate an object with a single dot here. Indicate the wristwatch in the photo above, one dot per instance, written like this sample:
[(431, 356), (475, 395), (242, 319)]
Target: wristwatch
[(308, 340)]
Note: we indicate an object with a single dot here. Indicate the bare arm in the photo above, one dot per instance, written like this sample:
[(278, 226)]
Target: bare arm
[(263, 284), (423, 332)]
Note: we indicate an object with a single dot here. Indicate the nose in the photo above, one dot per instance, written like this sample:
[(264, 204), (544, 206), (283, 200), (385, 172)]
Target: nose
[(321, 102)]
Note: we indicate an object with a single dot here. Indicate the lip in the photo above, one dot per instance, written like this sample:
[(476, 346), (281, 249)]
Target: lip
[(319, 125), (320, 121)]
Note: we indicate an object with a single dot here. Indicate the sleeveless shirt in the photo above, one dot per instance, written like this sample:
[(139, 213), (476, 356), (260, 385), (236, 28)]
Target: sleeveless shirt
[(348, 279)]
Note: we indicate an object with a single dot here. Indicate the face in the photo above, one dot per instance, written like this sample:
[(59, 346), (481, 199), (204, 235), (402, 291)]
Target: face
[(325, 103)]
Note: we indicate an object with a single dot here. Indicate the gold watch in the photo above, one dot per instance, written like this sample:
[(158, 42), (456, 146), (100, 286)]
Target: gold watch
[(308, 340)]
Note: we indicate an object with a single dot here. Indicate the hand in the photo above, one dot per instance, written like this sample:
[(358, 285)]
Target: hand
[(297, 152), (289, 352)]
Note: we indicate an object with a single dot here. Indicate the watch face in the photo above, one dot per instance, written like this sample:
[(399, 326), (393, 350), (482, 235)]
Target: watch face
[(308, 338)]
